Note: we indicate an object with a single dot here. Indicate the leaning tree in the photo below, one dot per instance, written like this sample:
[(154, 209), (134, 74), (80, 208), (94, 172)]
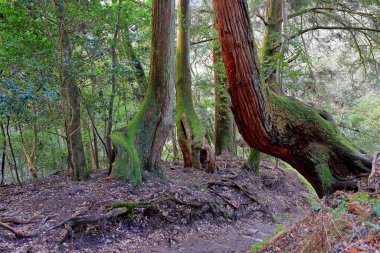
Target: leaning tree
[(138, 147), (278, 125)]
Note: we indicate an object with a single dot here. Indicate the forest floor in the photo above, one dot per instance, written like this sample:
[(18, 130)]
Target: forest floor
[(237, 209)]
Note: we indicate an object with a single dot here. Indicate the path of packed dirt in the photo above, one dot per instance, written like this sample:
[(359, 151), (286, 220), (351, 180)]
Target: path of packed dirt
[(167, 227)]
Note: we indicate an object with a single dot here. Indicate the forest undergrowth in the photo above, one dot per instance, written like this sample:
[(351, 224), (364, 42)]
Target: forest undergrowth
[(231, 210), (188, 211)]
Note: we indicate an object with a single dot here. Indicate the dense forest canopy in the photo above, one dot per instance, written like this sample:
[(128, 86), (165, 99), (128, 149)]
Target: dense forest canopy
[(330, 61)]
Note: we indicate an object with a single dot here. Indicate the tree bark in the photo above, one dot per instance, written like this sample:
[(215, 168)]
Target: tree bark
[(95, 137), (253, 160), (4, 150), (137, 68), (12, 151), (272, 38), (190, 132), (224, 142), (71, 99), (278, 125), (174, 142), (270, 60), (115, 64), (138, 147)]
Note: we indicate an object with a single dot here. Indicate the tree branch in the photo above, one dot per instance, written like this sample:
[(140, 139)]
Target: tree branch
[(320, 27), (202, 41), (330, 8)]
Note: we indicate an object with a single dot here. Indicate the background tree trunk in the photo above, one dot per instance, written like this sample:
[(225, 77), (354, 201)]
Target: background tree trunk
[(115, 64), (137, 68), (94, 134), (138, 147), (278, 125), (71, 100), (270, 58), (29, 157), (12, 151), (190, 132), (224, 142), (4, 150)]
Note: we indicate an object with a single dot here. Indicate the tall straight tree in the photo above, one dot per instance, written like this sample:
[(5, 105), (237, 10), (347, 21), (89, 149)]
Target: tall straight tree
[(138, 147), (224, 141), (274, 124), (115, 63), (190, 132), (70, 98)]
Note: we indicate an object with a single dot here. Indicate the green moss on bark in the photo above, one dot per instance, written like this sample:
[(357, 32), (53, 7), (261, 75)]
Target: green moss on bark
[(254, 160), (127, 165)]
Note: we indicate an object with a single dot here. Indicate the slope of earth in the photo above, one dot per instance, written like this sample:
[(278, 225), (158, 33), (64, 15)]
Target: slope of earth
[(238, 209), (344, 222)]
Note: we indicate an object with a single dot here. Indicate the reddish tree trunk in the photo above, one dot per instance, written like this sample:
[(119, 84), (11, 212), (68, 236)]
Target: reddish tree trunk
[(278, 125)]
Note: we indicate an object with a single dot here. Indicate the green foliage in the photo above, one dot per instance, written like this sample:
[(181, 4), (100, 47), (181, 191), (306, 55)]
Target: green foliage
[(365, 117), (279, 228), (128, 164), (280, 218), (258, 246)]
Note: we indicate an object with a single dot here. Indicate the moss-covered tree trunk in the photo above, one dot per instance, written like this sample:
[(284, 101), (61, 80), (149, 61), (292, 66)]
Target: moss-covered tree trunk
[(224, 139), (70, 99), (276, 124), (138, 147), (190, 132), (270, 49), (137, 68)]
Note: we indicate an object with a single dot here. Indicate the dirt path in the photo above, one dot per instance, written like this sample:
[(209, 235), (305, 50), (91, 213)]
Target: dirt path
[(167, 227)]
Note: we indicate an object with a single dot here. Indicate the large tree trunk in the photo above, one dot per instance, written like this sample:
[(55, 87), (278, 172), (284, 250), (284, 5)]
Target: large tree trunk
[(138, 147), (224, 139), (278, 125), (70, 100), (191, 133)]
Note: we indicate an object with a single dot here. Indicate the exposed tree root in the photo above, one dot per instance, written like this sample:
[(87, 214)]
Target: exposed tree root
[(145, 204), (225, 200), (263, 207), (17, 221), (77, 221), (17, 233), (114, 210), (374, 177), (124, 207)]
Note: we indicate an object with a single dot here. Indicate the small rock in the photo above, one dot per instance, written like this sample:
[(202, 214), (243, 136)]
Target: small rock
[(252, 231), (257, 240)]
